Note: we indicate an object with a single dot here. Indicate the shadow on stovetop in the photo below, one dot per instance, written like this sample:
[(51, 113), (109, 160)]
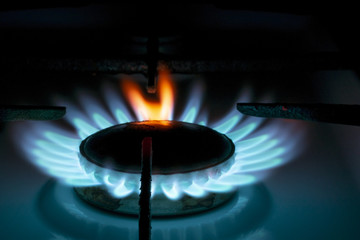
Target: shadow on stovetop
[(69, 218)]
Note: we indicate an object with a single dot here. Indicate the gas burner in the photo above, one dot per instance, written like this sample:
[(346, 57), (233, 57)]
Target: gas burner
[(180, 150), (197, 164)]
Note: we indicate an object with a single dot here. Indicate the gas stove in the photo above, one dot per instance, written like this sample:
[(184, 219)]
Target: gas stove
[(215, 173)]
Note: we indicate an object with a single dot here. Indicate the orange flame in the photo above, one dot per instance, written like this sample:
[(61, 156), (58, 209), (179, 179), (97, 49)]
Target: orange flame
[(150, 110)]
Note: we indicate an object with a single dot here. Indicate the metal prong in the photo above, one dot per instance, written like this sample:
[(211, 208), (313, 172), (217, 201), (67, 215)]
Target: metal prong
[(331, 113), (25, 112)]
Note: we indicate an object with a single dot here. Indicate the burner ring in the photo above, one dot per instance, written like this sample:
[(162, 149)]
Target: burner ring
[(178, 147)]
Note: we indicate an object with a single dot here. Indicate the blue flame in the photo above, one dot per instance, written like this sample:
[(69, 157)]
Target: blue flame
[(227, 125), (195, 190), (172, 190), (239, 134), (193, 106), (116, 105), (257, 149)]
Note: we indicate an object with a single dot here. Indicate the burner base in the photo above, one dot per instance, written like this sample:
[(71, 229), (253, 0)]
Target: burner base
[(161, 206)]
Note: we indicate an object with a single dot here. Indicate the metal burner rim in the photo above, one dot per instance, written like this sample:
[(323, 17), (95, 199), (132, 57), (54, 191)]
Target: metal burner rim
[(218, 162)]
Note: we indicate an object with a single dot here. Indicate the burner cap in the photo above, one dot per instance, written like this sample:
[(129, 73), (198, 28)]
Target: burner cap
[(178, 147)]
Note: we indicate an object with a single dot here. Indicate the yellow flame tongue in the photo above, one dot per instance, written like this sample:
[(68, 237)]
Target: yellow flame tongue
[(150, 110)]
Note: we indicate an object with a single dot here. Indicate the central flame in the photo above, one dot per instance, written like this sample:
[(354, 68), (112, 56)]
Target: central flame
[(146, 109)]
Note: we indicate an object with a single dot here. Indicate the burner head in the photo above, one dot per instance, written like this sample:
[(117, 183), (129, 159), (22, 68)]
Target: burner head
[(178, 147)]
